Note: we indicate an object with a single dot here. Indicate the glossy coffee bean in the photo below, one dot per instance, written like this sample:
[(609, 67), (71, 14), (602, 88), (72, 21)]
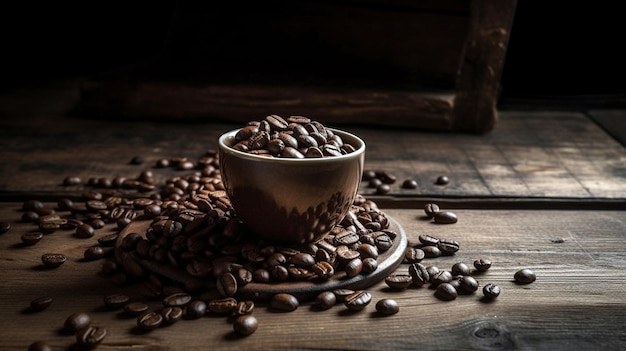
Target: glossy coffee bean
[(358, 300), (325, 300), (77, 321), (482, 265), (460, 268), (150, 320), (53, 260), (284, 302), (91, 336), (442, 180), (39, 346), (431, 209), (31, 238), (524, 276), (41, 303), (419, 274), (387, 307), (398, 281), (446, 292), (136, 308), (491, 291), (195, 309), (171, 315), (245, 325), (445, 217), (178, 299), (116, 301)]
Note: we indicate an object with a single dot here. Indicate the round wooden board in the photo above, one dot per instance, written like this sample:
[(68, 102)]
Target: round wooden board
[(388, 261)]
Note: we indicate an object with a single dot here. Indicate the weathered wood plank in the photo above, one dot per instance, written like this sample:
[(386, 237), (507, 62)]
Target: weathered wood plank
[(578, 257)]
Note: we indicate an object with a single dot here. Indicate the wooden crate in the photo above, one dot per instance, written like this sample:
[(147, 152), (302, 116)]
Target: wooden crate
[(417, 64)]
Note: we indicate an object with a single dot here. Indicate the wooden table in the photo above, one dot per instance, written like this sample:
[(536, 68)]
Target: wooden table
[(550, 199)]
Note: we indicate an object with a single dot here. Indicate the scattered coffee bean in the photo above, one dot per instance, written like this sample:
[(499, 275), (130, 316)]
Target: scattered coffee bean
[(195, 309), (398, 281), (149, 320), (108, 240), (284, 302), (468, 284), (387, 307), (93, 253), (446, 292), (524, 276), (31, 238), (53, 260), (445, 217), (77, 321), (39, 346), (358, 300), (325, 300), (442, 180), (178, 299), (4, 227), (383, 189), (419, 274), (491, 291), (245, 325), (460, 268), (428, 240), (448, 247), (222, 306), (116, 301), (431, 209), (482, 265), (171, 315), (91, 336), (85, 231), (32, 205), (136, 308), (409, 184), (41, 303), (68, 181)]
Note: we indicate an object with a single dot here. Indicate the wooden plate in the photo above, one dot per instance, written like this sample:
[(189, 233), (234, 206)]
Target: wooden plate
[(388, 261)]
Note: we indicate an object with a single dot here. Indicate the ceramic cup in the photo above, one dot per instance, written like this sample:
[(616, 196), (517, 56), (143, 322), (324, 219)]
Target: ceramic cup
[(291, 201)]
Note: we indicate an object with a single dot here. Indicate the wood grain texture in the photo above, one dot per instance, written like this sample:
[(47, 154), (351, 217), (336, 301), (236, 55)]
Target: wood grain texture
[(577, 301)]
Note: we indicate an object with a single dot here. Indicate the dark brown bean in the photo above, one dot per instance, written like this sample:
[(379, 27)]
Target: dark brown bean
[(53, 260), (41, 303), (91, 336), (39, 346), (445, 217), (446, 292), (150, 320), (358, 300), (245, 325), (387, 307), (524, 276), (284, 302), (325, 300), (77, 321), (31, 238), (482, 265), (116, 301), (171, 314)]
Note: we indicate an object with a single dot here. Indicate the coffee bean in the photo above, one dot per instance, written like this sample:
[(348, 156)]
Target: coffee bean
[(4, 227), (227, 284), (32, 205), (90, 336), (428, 240), (370, 265), (325, 300), (398, 281), (245, 325), (441, 277), (116, 301), (445, 217), (41, 303), (448, 247), (413, 255), (431, 210), (195, 309), (409, 184), (93, 253), (178, 299), (244, 307), (171, 314), (222, 306), (460, 268), (491, 291), (31, 238), (524, 276), (136, 308), (442, 180), (482, 265), (53, 260), (342, 294), (77, 321), (431, 251), (108, 240), (387, 307), (468, 284), (383, 189), (419, 274), (284, 302), (84, 231), (446, 292), (150, 320), (39, 346), (358, 300)]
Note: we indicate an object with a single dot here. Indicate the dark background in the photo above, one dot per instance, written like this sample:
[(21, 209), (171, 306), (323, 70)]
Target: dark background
[(556, 48)]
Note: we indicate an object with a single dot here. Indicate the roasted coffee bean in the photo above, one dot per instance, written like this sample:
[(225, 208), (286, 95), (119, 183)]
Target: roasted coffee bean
[(409, 184), (93, 253), (341, 294), (30, 216), (431, 251), (178, 299), (524, 276), (39, 346), (171, 314), (387, 307), (323, 270), (442, 180), (53, 260), (222, 306), (441, 277), (448, 247), (195, 309), (84, 231), (116, 301), (41, 303), (386, 177), (431, 210), (136, 308), (482, 265), (383, 189), (460, 268), (32, 205), (244, 307), (445, 217), (358, 300), (325, 300), (419, 274), (446, 292), (149, 320), (108, 240), (31, 238), (413, 255), (245, 325), (428, 240), (4, 227), (91, 336), (353, 268), (398, 281), (370, 265), (227, 284), (284, 302), (77, 321), (468, 284), (491, 291)]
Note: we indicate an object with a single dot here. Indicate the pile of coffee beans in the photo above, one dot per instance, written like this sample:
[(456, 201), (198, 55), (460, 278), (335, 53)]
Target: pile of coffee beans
[(293, 137)]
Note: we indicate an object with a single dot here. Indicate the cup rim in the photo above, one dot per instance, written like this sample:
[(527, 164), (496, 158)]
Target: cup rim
[(222, 143)]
